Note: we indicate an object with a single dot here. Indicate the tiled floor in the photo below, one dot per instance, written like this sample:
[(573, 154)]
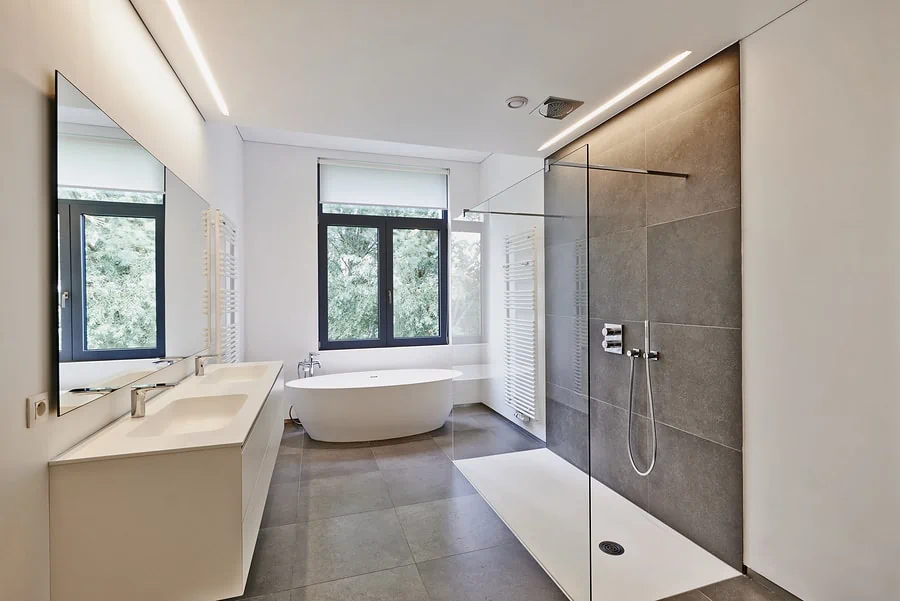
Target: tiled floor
[(735, 589), (392, 521)]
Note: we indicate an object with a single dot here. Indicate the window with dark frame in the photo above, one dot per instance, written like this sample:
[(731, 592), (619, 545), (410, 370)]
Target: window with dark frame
[(383, 276), (111, 274)]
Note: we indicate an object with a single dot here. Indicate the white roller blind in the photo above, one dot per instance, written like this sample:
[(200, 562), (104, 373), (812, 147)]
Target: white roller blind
[(386, 185), (108, 163)]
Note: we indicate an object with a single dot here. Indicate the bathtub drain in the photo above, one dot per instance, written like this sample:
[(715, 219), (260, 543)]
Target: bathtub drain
[(612, 548)]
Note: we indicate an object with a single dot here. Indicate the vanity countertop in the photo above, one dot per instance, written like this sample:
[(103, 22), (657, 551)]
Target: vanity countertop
[(217, 410)]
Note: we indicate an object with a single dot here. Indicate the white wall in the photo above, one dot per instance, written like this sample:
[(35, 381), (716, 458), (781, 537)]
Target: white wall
[(501, 180), (281, 241), (102, 46), (821, 211)]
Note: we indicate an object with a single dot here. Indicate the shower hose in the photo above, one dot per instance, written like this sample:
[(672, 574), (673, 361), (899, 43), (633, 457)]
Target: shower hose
[(634, 354)]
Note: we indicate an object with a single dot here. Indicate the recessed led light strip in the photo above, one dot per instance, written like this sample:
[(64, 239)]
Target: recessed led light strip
[(616, 99), (194, 47)]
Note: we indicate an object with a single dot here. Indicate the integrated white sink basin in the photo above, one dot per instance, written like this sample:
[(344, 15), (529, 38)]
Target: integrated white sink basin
[(223, 375), (191, 414)]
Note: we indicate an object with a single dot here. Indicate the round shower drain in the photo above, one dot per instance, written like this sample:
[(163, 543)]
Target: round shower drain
[(611, 548)]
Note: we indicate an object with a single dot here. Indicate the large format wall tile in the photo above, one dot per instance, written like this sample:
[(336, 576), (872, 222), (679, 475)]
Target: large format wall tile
[(567, 433), (719, 73), (617, 201), (697, 381), (561, 278), (610, 371), (697, 489), (704, 142), (609, 451), (618, 275), (694, 270), (565, 195), (560, 336)]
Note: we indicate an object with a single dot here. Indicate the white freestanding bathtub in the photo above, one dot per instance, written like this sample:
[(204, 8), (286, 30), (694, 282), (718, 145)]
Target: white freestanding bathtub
[(373, 405)]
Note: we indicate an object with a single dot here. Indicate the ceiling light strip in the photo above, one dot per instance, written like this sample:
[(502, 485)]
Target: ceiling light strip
[(616, 99), (194, 47)]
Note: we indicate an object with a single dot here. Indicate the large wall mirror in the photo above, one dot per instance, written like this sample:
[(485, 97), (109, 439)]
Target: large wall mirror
[(132, 274)]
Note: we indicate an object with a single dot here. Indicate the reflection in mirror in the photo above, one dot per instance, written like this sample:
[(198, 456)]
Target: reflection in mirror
[(131, 264)]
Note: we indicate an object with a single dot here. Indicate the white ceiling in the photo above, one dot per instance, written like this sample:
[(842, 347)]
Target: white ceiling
[(437, 74)]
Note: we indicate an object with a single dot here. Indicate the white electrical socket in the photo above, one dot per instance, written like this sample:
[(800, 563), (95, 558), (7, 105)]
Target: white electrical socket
[(37, 409)]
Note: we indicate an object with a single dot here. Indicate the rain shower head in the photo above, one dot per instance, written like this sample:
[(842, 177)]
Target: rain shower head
[(557, 108)]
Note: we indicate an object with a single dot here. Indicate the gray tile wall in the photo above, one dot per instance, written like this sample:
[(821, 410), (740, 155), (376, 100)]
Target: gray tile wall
[(667, 251)]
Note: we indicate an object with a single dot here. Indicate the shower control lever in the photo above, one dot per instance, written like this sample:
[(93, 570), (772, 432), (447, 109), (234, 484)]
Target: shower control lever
[(612, 338), (635, 352)]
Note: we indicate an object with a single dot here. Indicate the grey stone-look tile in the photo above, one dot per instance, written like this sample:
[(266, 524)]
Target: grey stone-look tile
[(697, 381), (688, 596), (704, 142), (610, 372), (569, 398), (398, 584), (451, 526), (273, 560), (565, 195), (618, 275), (281, 596), (482, 442), (740, 588), (292, 439), (559, 337), (561, 279), (287, 468), (429, 483), (342, 495), (417, 453), (567, 434), (470, 409), (348, 546), (311, 443), (506, 573), (719, 73), (694, 270), (326, 463), (618, 201), (609, 451), (281, 505), (624, 127), (697, 489)]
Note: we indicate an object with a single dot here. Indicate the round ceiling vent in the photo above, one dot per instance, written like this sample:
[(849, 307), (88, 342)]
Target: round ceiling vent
[(516, 102)]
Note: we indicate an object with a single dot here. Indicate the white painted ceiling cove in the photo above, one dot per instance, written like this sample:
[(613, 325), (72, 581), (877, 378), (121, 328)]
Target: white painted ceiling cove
[(437, 74)]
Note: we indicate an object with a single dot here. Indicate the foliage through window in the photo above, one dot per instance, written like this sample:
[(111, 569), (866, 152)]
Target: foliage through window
[(382, 276), (111, 261)]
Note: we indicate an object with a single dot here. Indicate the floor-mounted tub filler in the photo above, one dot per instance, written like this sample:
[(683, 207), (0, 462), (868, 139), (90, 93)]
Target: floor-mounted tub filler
[(373, 405)]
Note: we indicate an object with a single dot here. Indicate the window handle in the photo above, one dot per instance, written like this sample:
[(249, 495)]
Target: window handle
[(390, 297), (63, 298)]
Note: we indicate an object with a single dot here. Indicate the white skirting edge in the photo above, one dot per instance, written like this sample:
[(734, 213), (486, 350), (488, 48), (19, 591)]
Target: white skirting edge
[(544, 501)]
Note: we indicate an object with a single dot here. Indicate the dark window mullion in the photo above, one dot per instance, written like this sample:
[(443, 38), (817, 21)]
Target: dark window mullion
[(65, 280)]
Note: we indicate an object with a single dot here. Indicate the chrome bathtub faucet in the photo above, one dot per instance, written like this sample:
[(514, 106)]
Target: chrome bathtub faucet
[(307, 367)]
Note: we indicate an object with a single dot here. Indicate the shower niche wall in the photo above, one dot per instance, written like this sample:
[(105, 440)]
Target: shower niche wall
[(639, 228)]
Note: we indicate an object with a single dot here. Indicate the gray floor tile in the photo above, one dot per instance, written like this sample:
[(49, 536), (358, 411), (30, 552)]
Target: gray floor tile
[(481, 443), (281, 596), (292, 440), (281, 505), (273, 561), (506, 573), (347, 546), (311, 443), (470, 409), (739, 589), (341, 495), (688, 596), (452, 526), (416, 453), (457, 422), (428, 483), (326, 463), (399, 584), (287, 468)]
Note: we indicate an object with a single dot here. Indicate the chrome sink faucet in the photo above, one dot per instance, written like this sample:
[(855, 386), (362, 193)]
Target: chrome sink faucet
[(200, 362), (139, 396), (308, 366)]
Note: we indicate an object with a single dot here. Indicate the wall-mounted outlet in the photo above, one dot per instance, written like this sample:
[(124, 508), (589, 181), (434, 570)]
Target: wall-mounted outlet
[(37, 409)]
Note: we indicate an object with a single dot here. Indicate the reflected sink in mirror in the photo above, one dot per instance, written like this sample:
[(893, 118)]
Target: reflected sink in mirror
[(192, 414), (235, 374)]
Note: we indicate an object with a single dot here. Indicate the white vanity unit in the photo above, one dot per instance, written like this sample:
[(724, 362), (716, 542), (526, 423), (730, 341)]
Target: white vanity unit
[(168, 506)]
